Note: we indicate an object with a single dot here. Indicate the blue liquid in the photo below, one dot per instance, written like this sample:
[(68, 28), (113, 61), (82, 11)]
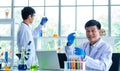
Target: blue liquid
[(40, 33), (6, 57), (22, 67)]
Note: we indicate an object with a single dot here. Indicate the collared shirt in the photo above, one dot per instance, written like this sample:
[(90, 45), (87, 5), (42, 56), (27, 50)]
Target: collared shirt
[(90, 49)]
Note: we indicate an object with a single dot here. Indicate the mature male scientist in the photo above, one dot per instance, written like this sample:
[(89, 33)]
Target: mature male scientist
[(97, 54)]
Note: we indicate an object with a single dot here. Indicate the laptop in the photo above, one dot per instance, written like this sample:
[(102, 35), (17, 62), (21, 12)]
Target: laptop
[(48, 60)]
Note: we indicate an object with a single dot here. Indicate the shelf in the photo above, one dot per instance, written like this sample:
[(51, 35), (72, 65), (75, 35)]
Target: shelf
[(5, 38), (8, 38), (6, 21)]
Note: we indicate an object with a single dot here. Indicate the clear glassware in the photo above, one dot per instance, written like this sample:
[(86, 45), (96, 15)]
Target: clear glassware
[(6, 13)]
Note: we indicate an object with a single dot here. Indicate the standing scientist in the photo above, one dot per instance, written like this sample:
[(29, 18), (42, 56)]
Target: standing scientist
[(96, 53), (25, 34)]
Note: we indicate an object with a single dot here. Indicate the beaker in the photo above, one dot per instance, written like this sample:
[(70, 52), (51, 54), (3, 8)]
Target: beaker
[(6, 13)]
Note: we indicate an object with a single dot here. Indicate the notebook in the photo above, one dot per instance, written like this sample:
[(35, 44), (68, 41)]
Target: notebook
[(48, 60)]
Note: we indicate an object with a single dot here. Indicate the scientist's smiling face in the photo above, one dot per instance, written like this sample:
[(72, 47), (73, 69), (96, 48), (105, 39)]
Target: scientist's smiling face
[(93, 34)]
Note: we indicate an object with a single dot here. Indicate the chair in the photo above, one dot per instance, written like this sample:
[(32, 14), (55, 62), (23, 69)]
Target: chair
[(116, 62), (62, 57)]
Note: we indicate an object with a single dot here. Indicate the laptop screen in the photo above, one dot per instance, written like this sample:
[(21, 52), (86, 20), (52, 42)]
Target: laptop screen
[(48, 60)]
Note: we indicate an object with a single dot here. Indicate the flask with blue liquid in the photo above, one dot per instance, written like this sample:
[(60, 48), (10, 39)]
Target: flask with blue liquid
[(22, 65), (42, 22)]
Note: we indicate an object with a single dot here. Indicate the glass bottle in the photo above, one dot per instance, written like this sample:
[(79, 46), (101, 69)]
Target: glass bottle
[(7, 67), (22, 65)]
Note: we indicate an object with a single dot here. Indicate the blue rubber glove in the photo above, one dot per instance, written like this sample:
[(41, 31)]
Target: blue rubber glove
[(79, 51), (43, 20), (71, 38)]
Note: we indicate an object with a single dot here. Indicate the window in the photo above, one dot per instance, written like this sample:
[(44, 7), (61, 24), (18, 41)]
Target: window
[(84, 2), (6, 28), (59, 20), (20, 3), (101, 2), (6, 3), (67, 20), (84, 14), (101, 14), (67, 2)]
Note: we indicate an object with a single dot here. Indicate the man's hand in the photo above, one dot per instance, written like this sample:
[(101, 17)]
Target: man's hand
[(43, 20), (70, 38), (79, 51)]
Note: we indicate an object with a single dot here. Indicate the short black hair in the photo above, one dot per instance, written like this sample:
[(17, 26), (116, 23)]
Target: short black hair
[(93, 23), (26, 11)]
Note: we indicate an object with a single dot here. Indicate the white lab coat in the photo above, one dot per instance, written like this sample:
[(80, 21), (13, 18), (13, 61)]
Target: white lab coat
[(24, 35), (100, 57)]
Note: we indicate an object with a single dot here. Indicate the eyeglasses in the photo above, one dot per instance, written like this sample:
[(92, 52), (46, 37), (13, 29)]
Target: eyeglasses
[(33, 15)]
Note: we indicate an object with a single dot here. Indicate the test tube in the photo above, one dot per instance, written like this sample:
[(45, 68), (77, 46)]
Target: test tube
[(78, 64), (67, 65)]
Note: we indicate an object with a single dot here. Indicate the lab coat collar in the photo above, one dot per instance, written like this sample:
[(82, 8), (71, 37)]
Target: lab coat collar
[(25, 25), (96, 43), (96, 47)]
